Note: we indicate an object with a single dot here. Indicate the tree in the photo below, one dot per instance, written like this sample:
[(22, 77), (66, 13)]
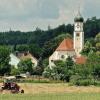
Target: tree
[(62, 71), (94, 62), (69, 62), (35, 50), (97, 40), (22, 48), (4, 60), (26, 66)]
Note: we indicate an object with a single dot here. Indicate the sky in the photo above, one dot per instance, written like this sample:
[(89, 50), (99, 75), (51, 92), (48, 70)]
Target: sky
[(26, 15)]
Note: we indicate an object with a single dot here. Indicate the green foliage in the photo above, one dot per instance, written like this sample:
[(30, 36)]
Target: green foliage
[(92, 27), (97, 38), (22, 48), (84, 82), (88, 48), (47, 72), (84, 70), (38, 70), (45, 63), (35, 50), (62, 71), (26, 66), (77, 74), (4, 60), (14, 71)]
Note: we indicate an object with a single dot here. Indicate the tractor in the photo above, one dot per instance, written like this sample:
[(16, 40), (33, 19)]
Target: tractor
[(10, 84)]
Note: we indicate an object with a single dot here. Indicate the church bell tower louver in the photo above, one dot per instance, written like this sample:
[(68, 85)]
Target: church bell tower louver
[(78, 34)]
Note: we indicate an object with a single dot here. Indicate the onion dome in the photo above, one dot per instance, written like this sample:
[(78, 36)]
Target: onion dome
[(79, 18)]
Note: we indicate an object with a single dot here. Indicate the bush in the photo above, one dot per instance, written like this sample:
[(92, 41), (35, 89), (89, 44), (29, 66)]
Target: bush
[(97, 83), (84, 82), (79, 81), (14, 71)]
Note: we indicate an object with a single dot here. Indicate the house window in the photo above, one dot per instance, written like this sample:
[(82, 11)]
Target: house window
[(52, 61)]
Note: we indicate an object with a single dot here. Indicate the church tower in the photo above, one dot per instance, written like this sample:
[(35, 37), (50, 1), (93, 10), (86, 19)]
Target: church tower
[(78, 34)]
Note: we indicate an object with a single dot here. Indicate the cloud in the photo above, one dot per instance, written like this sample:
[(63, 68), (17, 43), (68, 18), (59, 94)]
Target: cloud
[(25, 15), (91, 8)]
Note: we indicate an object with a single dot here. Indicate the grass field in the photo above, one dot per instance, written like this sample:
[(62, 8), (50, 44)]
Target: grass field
[(67, 96), (59, 91)]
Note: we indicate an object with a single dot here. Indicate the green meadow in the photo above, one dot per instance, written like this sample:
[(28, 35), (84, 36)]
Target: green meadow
[(62, 96)]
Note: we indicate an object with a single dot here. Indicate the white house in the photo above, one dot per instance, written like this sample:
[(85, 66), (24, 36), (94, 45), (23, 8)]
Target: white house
[(16, 58), (71, 47)]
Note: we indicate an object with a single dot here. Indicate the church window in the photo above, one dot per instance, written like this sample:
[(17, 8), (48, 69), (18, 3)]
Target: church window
[(62, 56), (77, 34)]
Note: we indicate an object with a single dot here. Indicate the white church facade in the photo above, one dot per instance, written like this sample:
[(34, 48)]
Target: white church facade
[(71, 47)]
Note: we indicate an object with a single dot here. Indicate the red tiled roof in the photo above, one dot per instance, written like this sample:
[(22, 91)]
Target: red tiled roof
[(66, 45), (81, 60)]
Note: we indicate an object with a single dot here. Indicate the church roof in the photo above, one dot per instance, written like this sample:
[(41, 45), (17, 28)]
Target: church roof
[(66, 45), (81, 60)]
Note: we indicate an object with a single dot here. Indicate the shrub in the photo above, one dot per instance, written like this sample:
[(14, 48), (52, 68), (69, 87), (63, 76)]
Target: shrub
[(84, 82), (14, 71), (97, 83), (79, 81)]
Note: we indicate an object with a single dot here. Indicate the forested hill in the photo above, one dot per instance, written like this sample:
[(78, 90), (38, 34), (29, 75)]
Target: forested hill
[(44, 39)]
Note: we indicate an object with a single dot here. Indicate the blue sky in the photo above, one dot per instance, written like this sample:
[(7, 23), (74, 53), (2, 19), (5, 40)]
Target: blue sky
[(26, 15)]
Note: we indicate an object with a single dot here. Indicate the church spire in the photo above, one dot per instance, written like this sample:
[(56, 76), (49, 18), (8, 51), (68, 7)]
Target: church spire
[(79, 17)]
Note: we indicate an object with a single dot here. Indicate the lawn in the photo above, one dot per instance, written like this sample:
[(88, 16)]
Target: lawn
[(65, 96)]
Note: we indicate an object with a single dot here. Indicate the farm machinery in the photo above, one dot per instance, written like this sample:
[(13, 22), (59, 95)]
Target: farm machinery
[(10, 85)]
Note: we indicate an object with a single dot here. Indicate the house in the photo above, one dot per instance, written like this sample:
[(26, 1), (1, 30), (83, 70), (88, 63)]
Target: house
[(71, 47), (15, 58)]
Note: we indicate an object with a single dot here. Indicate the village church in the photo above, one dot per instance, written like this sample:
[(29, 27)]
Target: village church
[(71, 47)]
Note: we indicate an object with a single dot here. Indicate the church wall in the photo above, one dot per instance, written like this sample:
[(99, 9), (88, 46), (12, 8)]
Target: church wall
[(60, 55)]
